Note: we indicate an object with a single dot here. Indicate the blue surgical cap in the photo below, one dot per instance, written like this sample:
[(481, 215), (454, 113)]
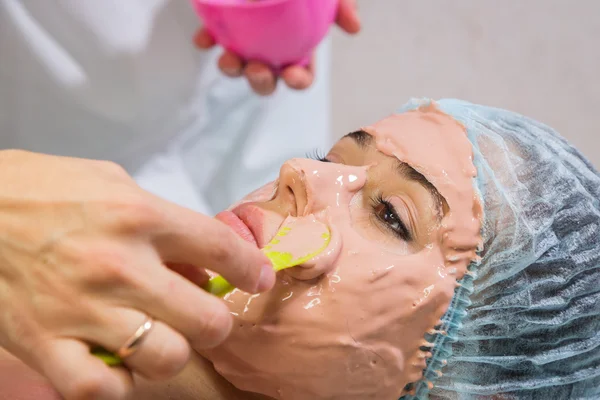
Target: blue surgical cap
[(525, 323)]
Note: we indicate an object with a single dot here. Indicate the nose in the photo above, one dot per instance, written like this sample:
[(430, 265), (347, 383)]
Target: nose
[(293, 191), (309, 186)]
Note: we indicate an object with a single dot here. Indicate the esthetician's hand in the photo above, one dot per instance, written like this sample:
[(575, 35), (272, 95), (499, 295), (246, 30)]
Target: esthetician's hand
[(86, 256), (262, 80)]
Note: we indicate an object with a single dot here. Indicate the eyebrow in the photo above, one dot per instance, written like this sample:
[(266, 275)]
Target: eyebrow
[(364, 140)]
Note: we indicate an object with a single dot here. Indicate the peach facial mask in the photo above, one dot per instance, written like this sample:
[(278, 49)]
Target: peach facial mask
[(351, 323)]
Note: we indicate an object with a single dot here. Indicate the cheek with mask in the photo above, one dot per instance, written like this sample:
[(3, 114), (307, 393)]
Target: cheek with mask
[(355, 315), (351, 323)]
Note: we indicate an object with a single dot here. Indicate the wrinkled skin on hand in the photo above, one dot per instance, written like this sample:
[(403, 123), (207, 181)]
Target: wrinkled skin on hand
[(86, 255)]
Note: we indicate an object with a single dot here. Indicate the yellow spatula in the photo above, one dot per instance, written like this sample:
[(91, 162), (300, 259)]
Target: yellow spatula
[(297, 242)]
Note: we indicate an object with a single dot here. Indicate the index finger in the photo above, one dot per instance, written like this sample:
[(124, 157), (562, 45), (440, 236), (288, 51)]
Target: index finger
[(192, 238)]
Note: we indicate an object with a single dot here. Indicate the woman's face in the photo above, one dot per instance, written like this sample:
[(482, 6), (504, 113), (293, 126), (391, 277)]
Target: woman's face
[(351, 324)]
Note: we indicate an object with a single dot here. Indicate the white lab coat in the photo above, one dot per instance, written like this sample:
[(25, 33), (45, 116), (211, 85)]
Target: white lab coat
[(121, 80)]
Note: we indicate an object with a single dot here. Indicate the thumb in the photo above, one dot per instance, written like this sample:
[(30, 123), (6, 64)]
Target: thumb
[(189, 240), (347, 17)]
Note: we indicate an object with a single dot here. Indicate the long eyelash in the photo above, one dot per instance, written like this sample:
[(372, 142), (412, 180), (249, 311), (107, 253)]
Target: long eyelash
[(403, 233), (316, 155)]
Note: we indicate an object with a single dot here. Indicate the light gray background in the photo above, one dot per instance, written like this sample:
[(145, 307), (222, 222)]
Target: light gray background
[(538, 57)]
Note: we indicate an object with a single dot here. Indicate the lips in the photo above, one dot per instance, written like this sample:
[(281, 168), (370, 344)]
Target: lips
[(257, 220), (234, 222), (253, 223)]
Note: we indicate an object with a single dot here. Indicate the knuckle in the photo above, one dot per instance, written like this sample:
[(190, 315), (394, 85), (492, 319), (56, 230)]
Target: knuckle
[(245, 278), (85, 387), (21, 330), (135, 214), (105, 265), (241, 262), (112, 168), (170, 358), (220, 253), (111, 267), (115, 168), (214, 327)]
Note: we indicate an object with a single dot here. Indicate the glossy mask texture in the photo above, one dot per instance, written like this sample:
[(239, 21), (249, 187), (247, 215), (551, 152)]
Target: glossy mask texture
[(350, 325), (299, 241)]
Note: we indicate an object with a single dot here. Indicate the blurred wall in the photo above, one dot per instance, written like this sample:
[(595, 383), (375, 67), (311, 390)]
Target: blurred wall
[(538, 57)]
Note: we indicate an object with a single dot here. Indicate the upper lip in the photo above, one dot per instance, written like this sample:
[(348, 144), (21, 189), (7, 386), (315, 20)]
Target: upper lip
[(263, 224), (252, 217)]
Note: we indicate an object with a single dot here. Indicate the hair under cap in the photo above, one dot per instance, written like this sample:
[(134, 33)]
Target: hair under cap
[(525, 323)]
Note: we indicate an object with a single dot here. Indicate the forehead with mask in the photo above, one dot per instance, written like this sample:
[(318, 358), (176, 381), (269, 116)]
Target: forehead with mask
[(405, 219)]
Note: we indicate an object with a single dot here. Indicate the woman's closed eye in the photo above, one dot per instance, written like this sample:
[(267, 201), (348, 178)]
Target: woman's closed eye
[(317, 155)]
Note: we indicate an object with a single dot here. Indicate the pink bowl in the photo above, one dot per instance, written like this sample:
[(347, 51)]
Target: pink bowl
[(276, 32)]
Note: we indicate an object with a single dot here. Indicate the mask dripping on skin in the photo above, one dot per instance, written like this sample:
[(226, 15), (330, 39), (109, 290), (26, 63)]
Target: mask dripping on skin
[(358, 314)]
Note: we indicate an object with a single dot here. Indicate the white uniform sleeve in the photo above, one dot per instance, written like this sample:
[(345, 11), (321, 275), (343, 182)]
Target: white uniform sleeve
[(241, 139), (120, 80)]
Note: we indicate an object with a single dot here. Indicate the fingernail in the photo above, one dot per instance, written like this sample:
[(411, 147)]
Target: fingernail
[(266, 279)]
